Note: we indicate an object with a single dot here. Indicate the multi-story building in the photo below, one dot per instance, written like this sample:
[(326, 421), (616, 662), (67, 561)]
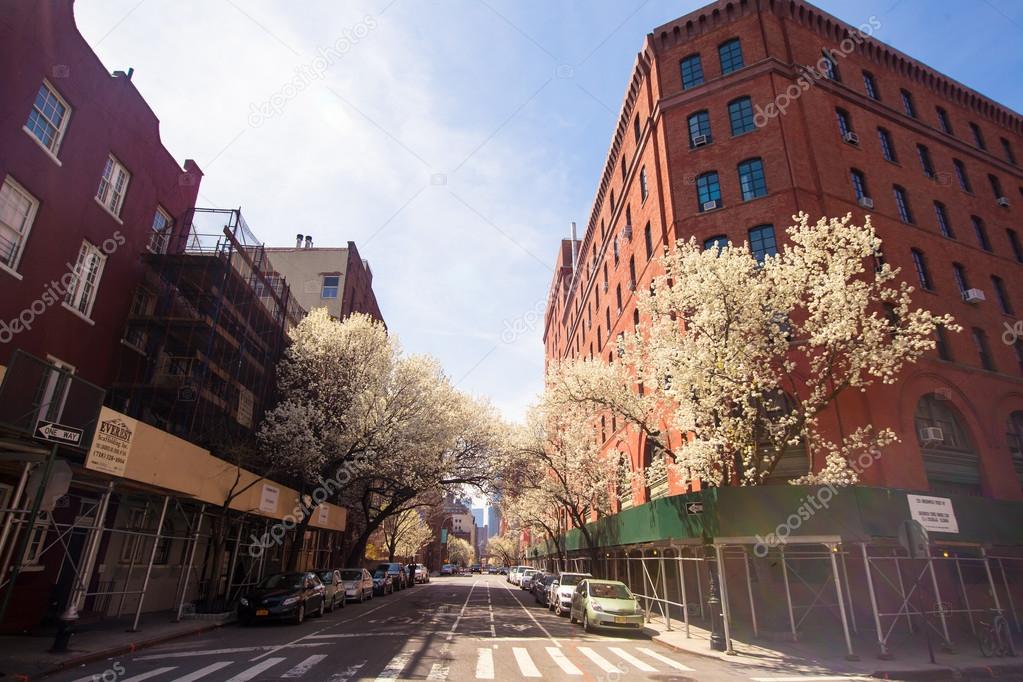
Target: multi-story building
[(726, 132), (493, 520), (335, 278)]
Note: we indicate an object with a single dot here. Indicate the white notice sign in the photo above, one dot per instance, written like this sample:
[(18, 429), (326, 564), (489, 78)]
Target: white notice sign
[(111, 444), (934, 513), (324, 515), (268, 500)]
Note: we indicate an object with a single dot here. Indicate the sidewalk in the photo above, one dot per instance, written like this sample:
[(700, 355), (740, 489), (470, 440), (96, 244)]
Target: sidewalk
[(781, 657), (28, 657)]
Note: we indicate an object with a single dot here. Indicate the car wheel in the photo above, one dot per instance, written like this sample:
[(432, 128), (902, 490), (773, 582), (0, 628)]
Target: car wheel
[(558, 611), (362, 595), (571, 618), (333, 603), (300, 614), (323, 608), (586, 622)]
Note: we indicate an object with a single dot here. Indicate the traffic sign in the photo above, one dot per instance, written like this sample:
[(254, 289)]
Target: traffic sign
[(694, 507), (58, 433)]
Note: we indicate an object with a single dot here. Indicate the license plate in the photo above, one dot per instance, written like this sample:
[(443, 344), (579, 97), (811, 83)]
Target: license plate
[(621, 619), (262, 612)]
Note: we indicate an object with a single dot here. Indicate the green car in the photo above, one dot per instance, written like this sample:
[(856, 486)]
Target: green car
[(605, 604)]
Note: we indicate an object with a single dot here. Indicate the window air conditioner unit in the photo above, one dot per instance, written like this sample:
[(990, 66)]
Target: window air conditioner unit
[(605, 287), (973, 296), (1003, 202), (632, 285), (627, 231), (851, 137), (700, 140), (932, 434), (710, 205), (866, 202)]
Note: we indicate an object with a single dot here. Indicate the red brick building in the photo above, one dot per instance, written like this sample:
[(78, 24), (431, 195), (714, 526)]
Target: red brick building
[(743, 113)]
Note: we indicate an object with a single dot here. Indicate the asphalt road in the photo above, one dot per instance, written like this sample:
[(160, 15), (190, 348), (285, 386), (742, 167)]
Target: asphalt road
[(458, 628)]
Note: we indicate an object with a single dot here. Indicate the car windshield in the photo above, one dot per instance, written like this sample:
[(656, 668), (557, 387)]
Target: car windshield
[(386, 567), (609, 591), (327, 577), (351, 575), (569, 580), (380, 573), (283, 580)]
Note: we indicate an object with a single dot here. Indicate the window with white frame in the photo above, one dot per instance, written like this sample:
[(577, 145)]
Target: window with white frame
[(53, 394), (17, 212), (113, 185), (131, 547), (162, 223), (88, 270), (331, 284), (49, 116)]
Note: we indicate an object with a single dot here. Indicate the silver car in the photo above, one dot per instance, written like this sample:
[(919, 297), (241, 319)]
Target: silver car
[(358, 584), (526, 581)]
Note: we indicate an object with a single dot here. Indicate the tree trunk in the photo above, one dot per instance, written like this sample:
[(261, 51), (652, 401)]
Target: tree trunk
[(298, 540), (218, 542)]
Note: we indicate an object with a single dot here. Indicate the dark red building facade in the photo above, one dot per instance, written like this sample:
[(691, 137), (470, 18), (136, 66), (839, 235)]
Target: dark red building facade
[(743, 113)]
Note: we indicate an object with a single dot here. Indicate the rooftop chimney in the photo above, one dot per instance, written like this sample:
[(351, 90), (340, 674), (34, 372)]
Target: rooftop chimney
[(298, 241), (309, 241)]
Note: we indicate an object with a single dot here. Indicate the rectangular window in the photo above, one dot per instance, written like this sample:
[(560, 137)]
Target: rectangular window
[(731, 56), (1001, 294), (960, 277), (692, 71), (941, 343), (1007, 148), (903, 205), (48, 119), (870, 86), (649, 239), (943, 225), (762, 242), (978, 137), (636, 129), (699, 129), (843, 121), (81, 295), (925, 160), (740, 115), (983, 350), (980, 231), (708, 191), (907, 103), (331, 284), (17, 212), (113, 185), (830, 67), (859, 184), (752, 182), (887, 147), (996, 186), (644, 191), (961, 176), (943, 121), (161, 231), (1014, 242), (920, 263)]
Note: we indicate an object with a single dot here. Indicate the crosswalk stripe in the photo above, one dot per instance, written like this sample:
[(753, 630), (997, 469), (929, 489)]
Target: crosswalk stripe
[(562, 660), (246, 675), (395, 666), (348, 673), (438, 673), (485, 664), (632, 660), (203, 672), (526, 664), (665, 660), (303, 667), (601, 662), (147, 675)]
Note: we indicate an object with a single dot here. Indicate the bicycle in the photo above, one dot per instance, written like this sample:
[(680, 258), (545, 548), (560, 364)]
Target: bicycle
[(995, 637)]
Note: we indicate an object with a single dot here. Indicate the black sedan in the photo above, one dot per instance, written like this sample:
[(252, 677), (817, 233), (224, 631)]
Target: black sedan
[(283, 596)]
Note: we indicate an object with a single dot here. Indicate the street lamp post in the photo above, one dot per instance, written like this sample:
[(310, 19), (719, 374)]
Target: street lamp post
[(717, 638)]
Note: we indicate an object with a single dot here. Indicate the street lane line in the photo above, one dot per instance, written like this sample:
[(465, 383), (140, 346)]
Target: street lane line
[(632, 660), (601, 662), (393, 669), (246, 675), (382, 633), (303, 667), (147, 675), (665, 660), (203, 672), (526, 665), (454, 626), (530, 614), (562, 660), (811, 678), (485, 664), (222, 652), (348, 673)]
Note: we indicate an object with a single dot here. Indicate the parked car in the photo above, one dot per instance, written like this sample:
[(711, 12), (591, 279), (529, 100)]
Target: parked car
[(476, 568), (541, 588), (515, 574), (447, 569), (383, 583), (419, 573), (283, 595), (605, 604), (397, 573), (559, 592), (491, 570), (503, 570), (527, 578), (334, 589), (358, 584)]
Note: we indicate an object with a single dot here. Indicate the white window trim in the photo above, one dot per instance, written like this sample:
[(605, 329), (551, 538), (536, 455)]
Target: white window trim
[(87, 314), (13, 269), (124, 193), (109, 212), (165, 234), (59, 138), (46, 150)]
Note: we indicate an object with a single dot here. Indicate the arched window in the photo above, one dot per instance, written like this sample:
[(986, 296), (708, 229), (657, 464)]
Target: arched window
[(730, 53), (718, 241), (792, 460), (692, 71), (656, 481), (1014, 436), (699, 129), (950, 460), (708, 191), (762, 242)]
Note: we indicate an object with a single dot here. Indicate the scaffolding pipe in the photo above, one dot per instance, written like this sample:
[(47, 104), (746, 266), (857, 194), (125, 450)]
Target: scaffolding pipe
[(682, 589), (749, 590), (841, 602), (848, 594), (726, 615), (1008, 593), (11, 513), (664, 587), (80, 586), (873, 600), (990, 580), (234, 559), (902, 593), (788, 593), (191, 559), (699, 582), (149, 566), (937, 598), (131, 563), (966, 597)]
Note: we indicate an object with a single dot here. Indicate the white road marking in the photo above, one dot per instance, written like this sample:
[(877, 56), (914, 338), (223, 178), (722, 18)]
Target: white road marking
[(246, 675), (811, 678), (221, 652), (665, 660), (303, 667), (530, 614), (454, 626), (632, 660), (348, 673), (438, 673), (376, 633), (203, 672), (526, 664), (147, 675), (562, 660), (393, 669), (601, 662), (485, 664)]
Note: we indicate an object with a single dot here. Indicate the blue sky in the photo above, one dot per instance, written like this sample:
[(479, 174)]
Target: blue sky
[(453, 141)]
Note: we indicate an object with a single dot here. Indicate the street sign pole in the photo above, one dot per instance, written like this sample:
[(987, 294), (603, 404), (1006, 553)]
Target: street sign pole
[(26, 533)]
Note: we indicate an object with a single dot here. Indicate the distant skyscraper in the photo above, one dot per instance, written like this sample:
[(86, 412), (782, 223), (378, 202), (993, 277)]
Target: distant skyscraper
[(493, 520), (478, 513)]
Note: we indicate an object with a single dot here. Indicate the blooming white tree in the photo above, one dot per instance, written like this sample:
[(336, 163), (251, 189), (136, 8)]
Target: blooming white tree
[(505, 548), (460, 552), (744, 356), (405, 533)]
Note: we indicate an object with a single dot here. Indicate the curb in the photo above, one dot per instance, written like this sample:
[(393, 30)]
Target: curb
[(950, 672), (110, 652)]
